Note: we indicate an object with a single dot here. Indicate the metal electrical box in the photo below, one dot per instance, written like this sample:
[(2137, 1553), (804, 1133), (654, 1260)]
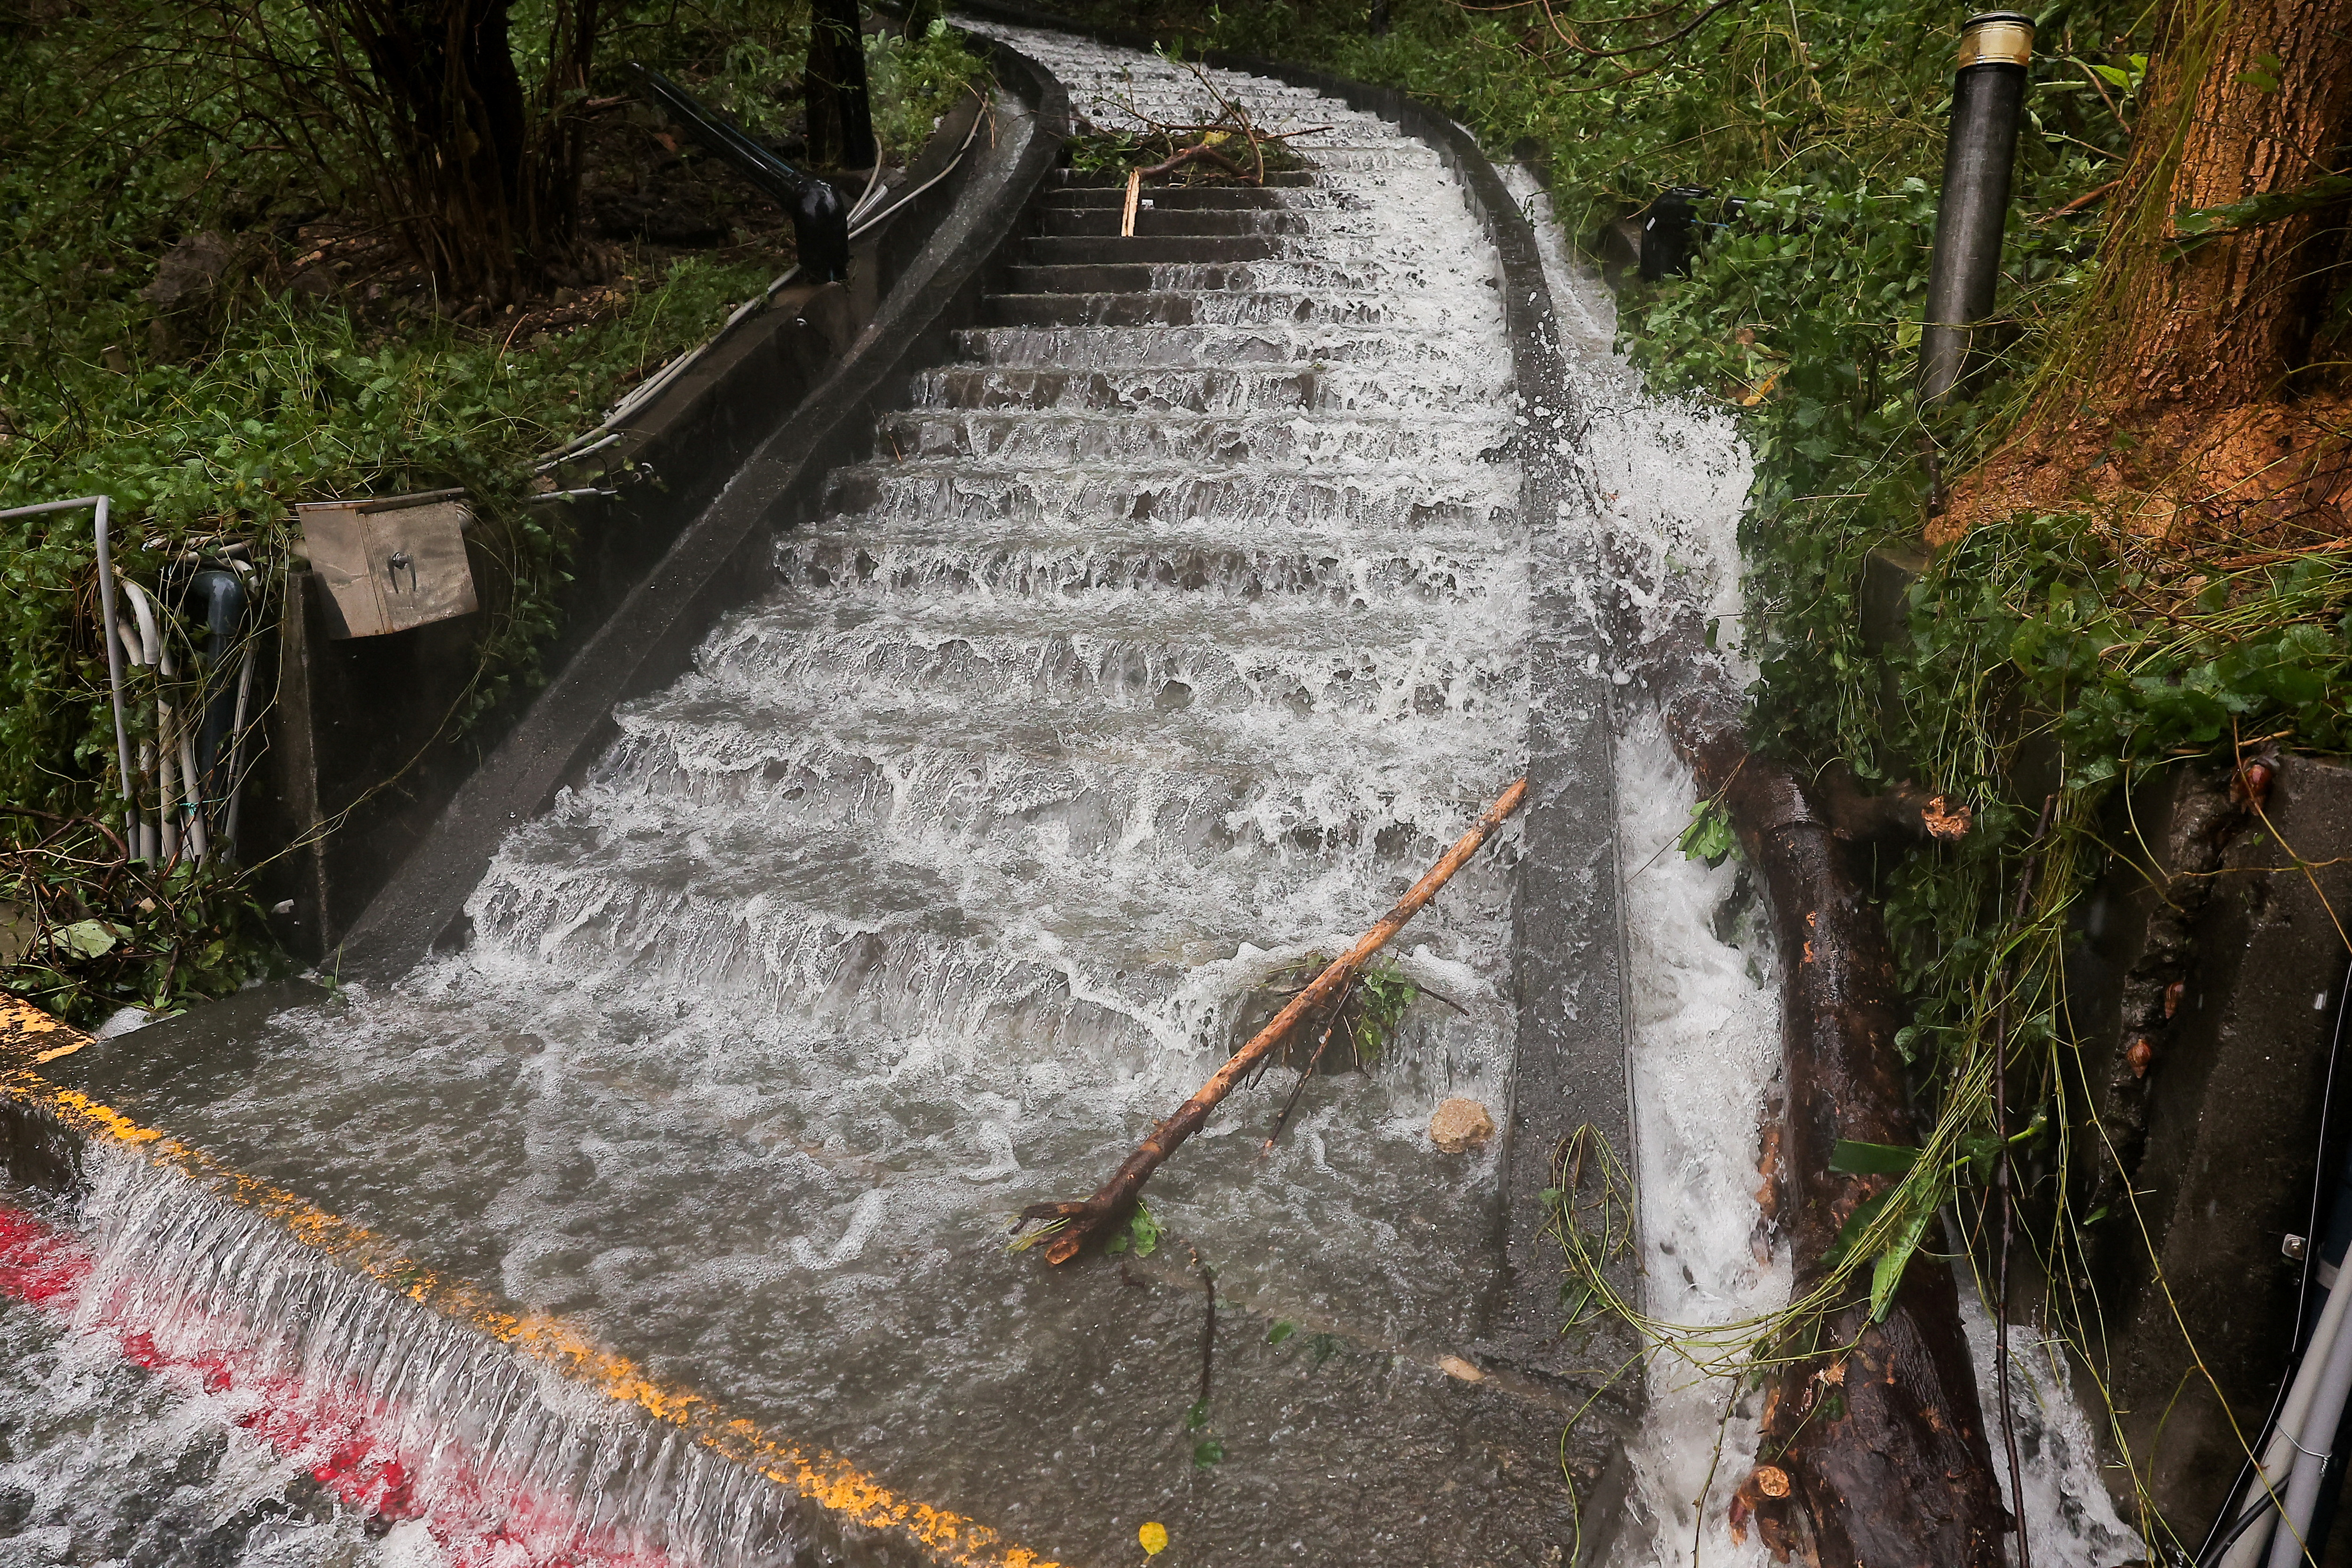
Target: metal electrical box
[(390, 563)]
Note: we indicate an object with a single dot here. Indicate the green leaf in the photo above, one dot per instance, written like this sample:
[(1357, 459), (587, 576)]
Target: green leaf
[(1281, 1331), (1851, 1157), (1145, 1230), (1206, 1452), (1709, 836), (1198, 1416), (84, 938), (1887, 1274)]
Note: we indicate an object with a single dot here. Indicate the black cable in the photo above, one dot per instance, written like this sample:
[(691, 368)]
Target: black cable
[(2214, 1549)]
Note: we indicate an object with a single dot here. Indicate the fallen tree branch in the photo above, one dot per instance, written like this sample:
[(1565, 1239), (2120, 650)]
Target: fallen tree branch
[(1203, 153), (1081, 1221), (1874, 1448)]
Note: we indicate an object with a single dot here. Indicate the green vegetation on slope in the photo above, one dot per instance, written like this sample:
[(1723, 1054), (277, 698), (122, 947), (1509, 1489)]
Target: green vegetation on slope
[(303, 359)]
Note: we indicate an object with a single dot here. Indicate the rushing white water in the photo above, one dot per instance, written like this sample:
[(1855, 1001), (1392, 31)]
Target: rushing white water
[(1671, 478), (1139, 664), (101, 1461)]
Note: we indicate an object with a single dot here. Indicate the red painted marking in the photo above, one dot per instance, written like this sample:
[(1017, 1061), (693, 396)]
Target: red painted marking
[(479, 1518)]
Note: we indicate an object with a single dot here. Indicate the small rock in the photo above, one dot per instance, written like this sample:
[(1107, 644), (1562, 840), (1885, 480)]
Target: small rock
[(1459, 1126), (1454, 1365), (188, 271)]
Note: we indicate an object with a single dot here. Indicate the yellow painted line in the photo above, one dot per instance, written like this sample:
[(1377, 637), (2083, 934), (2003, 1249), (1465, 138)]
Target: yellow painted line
[(29, 1037)]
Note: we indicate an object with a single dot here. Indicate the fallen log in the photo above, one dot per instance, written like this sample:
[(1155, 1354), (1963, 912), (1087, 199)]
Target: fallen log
[(1874, 1448), (1113, 1200)]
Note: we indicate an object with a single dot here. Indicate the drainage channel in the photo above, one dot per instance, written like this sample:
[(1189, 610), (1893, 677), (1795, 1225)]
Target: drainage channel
[(1172, 629)]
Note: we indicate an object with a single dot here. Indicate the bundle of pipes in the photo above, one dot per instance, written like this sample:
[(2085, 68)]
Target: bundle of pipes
[(2276, 1518), (192, 765)]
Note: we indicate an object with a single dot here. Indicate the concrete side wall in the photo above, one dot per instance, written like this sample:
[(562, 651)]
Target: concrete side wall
[(2219, 1137), (359, 762), (723, 555), (360, 766)]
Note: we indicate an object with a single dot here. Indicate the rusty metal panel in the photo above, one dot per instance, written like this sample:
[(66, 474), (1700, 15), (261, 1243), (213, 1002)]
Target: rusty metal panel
[(392, 562)]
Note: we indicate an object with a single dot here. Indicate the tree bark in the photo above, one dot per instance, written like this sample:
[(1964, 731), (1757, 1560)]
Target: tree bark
[(2224, 322), (478, 170), (2199, 399)]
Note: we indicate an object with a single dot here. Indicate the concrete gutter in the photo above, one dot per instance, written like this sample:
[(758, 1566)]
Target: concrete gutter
[(724, 557)]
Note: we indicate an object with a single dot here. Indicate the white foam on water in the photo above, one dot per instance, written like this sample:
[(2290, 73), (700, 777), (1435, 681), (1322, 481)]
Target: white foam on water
[(2070, 1515), (1703, 984), (1671, 478)]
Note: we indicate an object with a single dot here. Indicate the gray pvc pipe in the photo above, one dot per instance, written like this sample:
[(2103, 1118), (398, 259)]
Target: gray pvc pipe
[(105, 506), (2274, 1469), (2315, 1442), (2273, 1472)]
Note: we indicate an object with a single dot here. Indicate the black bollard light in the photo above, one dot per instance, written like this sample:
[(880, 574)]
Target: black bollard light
[(1988, 97)]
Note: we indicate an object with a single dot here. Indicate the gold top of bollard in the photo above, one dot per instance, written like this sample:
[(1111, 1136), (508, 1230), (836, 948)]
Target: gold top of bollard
[(1996, 38)]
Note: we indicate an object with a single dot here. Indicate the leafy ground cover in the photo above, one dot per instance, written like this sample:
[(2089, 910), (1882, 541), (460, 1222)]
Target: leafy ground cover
[(196, 321)]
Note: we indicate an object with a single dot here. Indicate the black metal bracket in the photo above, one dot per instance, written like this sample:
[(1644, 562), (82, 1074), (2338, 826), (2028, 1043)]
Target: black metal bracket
[(820, 217)]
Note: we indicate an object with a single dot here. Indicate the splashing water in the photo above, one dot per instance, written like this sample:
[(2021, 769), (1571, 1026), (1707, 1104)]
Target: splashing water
[(1141, 663), (1671, 480)]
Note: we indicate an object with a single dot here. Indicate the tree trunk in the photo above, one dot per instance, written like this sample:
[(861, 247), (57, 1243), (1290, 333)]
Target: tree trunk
[(2255, 105), (1875, 1454), (2198, 402), (477, 172), (840, 119)]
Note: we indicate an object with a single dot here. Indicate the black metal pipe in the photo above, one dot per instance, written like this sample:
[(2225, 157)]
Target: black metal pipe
[(1987, 99), (820, 217), (220, 594)]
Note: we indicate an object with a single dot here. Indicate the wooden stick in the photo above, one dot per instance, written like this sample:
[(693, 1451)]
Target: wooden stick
[(1115, 1196), (1134, 190), (1300, 1087)]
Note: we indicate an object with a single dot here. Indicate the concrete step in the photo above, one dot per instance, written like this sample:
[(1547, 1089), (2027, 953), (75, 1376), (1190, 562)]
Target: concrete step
[(1122, 277), (1278, 179), (1146, 309), (1102, 221), (1217, 198), (1058, 251)]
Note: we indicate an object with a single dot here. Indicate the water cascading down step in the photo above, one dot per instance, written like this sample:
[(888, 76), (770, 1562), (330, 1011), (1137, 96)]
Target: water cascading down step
[(1172, 628)]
